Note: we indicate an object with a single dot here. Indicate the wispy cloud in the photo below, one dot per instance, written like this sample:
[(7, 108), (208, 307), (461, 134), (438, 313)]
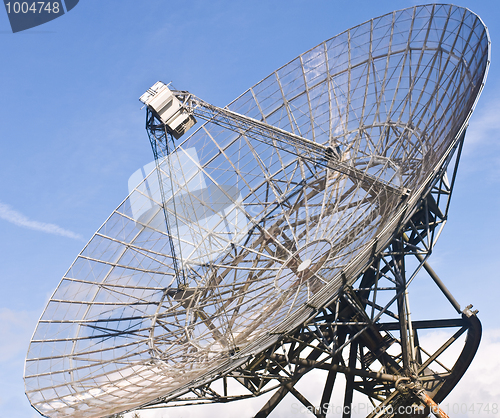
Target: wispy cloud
[(480, 386), (479, 389), (16, 328), (11, 215), (484, 125)]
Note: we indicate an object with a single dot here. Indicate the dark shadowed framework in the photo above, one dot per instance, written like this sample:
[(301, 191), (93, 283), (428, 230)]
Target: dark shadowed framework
[(266, 239)]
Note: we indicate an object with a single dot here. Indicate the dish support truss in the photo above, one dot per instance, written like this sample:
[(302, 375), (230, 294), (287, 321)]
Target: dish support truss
[(161, 138), (366, 334), (113, 335)]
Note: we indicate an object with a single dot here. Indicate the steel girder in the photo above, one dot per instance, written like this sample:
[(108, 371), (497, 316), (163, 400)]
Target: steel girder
[(366, 333)]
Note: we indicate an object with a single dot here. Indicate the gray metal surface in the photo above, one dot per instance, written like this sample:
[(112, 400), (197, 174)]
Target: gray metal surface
[(392, 95), (366, 337)]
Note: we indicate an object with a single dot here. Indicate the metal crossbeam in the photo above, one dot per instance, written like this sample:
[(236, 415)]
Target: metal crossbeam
[(353, 324), (280, 227), (320, 154)]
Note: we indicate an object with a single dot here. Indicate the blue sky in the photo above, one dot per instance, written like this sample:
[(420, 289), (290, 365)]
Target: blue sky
[(72, 133)]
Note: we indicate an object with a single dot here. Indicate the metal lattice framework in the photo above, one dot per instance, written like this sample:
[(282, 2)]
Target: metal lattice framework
[(262, 221), (366, 334)]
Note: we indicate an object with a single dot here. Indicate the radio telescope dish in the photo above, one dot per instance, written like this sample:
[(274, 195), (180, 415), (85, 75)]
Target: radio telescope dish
[(242, 233)]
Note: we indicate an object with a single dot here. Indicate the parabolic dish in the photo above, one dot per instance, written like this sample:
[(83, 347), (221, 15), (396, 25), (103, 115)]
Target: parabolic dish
[(264, 236)]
